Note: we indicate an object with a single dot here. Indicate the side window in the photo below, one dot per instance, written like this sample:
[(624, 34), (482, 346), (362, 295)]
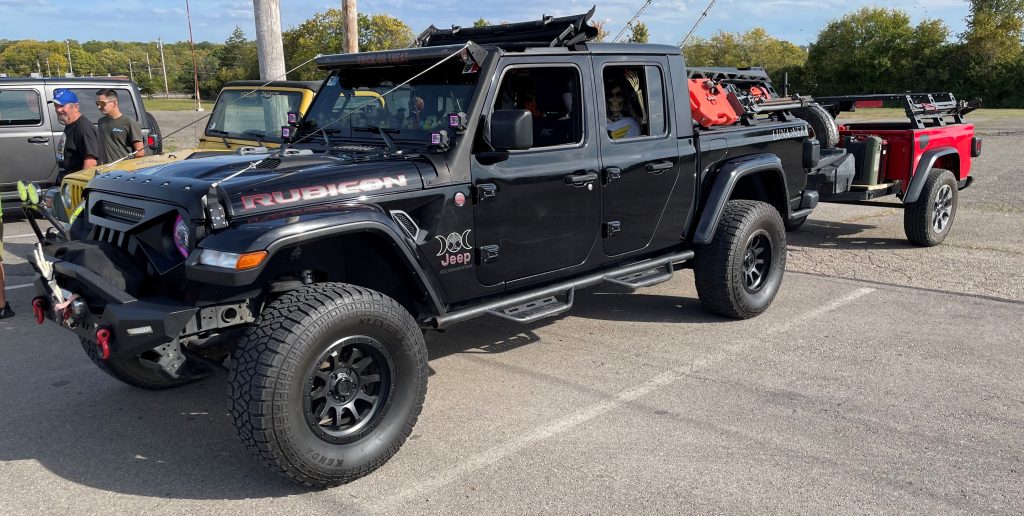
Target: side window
[(634, 101), (20, 108), (87, 103), (552, 95)]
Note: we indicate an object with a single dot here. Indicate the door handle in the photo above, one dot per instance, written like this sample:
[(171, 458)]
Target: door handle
[(611, 174), (659, 166), (39, 139), (580, 179)]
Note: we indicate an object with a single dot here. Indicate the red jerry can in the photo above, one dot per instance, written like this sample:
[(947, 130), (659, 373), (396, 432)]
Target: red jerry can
[(709, 104)]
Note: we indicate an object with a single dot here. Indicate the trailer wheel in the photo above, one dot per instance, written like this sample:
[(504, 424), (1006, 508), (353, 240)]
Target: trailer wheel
[(823, 126), (328, 383), (740, 271), (927, 220), (132, 371)]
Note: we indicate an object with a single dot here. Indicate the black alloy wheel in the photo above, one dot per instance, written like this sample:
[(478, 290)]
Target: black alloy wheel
[(346, 388), (757, 261)]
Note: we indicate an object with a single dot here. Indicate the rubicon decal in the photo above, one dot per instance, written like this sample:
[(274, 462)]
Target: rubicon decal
[(311, 193)]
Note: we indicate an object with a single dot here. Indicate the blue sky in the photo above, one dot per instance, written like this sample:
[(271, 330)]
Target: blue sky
[(213, 20)]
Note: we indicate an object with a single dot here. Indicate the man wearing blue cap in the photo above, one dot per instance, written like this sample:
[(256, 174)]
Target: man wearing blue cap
[(79, 147)]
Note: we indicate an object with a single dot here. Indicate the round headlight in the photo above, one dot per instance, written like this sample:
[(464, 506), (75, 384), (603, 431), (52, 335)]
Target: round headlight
[(181, 235), (65, 194)]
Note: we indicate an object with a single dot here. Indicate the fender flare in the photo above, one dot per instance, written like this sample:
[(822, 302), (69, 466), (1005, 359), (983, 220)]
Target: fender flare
[(728, 175), (323, 227), (924, 166)]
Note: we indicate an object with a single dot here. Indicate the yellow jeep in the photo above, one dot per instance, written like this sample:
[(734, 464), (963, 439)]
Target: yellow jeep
[(242, 116)]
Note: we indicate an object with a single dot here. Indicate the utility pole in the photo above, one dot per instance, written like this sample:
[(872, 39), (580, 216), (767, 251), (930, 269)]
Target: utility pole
[(163, 64), (71, 69), (269, 46), (131, 71), (48, 67), (195, 69), (350, 26), (149, 67)]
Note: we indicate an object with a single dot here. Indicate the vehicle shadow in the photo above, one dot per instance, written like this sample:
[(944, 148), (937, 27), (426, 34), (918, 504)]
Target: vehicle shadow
[(821, 234), (90, 429)]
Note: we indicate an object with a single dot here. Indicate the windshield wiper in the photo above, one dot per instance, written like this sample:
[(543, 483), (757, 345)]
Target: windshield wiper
[(223, 136), (257, 134), (383, 132)]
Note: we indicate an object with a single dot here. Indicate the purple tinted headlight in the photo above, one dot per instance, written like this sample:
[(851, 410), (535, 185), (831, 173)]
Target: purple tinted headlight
[(181, 232)]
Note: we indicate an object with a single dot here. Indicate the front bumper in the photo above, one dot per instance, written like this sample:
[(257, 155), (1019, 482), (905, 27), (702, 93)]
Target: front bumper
[(126, 325)]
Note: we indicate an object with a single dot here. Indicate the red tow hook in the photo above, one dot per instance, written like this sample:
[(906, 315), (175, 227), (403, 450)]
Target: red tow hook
[(39, 309), (103, 341)]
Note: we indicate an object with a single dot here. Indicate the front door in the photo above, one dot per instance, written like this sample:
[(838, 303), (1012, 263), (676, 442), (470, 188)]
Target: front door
[(539, 211), (639, 155), (27, 149)]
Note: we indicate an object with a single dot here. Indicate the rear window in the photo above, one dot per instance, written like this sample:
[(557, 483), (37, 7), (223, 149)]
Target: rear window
[(20, 108), (252, 115)]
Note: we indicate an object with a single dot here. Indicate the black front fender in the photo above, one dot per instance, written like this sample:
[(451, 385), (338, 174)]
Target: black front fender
[(275, 237), (728, 176)]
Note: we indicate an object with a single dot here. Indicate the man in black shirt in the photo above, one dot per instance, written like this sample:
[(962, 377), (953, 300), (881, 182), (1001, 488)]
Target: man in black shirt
[(79, 147)]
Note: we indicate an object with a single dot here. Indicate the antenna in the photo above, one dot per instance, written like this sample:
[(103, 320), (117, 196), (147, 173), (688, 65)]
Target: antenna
[(696, 23), (629, 24)]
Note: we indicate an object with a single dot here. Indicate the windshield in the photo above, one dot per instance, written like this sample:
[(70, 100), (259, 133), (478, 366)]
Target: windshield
[(354, 98), (249, 115)]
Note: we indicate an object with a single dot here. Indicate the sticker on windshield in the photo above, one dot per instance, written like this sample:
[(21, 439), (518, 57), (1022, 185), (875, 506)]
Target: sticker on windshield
[(332, 81)]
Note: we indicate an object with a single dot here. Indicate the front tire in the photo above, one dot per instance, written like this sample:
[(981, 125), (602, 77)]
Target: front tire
[(328, 383), (740, 271), (927, 220)]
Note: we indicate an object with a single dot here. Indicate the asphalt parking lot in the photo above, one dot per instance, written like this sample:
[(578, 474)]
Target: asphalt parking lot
[(884, 378)]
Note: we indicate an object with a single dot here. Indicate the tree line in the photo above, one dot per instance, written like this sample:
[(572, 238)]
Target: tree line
[(870, 50)]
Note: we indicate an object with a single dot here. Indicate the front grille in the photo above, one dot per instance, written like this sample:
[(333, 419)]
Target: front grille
[(111, 236), (120, 212), (76, 195)]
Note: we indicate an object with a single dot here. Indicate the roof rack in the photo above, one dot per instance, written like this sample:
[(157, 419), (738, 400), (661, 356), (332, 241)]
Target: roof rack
[(923, 109), (567, 31)]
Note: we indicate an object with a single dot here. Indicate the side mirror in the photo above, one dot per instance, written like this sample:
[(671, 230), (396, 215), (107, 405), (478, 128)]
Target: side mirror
[(511, 129)]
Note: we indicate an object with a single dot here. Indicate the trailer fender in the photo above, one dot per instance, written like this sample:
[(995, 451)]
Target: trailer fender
[(725, 182), (925, 165)]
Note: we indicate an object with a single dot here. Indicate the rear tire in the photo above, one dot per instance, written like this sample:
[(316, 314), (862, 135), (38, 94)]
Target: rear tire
[(823, 126), (328, 383), (155, 128), (928, 220), (740, 271)]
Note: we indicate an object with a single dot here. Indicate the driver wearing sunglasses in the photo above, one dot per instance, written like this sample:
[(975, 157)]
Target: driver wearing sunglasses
[(120, 135)]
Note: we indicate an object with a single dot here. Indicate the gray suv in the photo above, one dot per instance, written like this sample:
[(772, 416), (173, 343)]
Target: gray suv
[(30, 131)]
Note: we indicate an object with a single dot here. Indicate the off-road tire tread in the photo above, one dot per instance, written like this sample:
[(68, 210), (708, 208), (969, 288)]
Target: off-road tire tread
[(263, 350), (155, 128), (713, 267), (917, 223)]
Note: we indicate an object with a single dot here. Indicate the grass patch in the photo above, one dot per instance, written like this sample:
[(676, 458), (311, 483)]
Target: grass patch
[(175, 104)]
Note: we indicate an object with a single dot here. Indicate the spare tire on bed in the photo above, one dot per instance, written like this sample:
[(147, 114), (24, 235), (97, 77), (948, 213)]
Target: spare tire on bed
[(823, 126)]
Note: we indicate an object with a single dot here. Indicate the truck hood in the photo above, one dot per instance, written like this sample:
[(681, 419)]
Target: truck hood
[(285, 182)]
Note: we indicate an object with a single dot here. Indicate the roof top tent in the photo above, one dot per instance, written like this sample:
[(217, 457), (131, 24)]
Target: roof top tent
[(566, 31)]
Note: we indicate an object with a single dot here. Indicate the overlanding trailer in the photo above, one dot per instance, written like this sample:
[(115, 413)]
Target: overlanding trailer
[(924, 160)]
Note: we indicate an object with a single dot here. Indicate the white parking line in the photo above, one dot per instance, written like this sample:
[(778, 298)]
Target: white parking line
[(12, 287), (493, 455), (9, 237), (807, 316)]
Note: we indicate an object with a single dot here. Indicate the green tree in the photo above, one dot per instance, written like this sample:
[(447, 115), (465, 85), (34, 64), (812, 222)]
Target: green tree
[(639, 33), (481, 23), (867, 51), (602, 32), (383, 32), (322, 33), (752, 48)]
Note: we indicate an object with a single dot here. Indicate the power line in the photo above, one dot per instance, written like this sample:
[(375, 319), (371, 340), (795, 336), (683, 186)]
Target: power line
[(647, 3)]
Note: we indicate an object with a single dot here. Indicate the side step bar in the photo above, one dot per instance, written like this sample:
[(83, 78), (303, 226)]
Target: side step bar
[(536, 304)]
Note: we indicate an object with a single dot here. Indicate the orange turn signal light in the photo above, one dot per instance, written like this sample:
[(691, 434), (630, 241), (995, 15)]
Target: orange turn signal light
[(250, 260)]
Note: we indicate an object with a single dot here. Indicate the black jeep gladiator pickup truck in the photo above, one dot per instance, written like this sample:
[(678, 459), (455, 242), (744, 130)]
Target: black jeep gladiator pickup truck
[(490, 171)]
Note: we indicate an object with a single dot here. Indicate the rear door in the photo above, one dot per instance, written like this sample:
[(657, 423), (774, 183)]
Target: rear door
[(640, 158), (27, 147), (538, 211)]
